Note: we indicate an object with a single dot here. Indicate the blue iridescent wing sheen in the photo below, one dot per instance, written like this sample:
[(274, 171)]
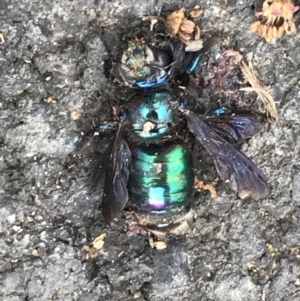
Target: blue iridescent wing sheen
[(117, 161), (152, 82), (158, 76), (237, 127), (148, 74), (194, 63), (190, 64), (232, 165)]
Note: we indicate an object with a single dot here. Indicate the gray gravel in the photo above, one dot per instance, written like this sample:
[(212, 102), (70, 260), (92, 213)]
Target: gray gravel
[(236, 250)]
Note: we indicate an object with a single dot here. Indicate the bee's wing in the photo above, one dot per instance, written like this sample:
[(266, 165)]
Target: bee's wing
[(238, 127), (232, 165), (117, 161)]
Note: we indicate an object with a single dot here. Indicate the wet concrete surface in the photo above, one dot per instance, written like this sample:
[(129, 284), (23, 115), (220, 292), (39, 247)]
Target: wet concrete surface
[(52, 65)]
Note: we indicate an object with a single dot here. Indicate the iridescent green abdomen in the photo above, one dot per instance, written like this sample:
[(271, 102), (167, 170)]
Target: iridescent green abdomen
[(161, 179)]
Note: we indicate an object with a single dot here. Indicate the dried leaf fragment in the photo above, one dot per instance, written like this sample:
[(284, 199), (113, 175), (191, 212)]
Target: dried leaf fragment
[(2, 40), (250, 76), (254, 26), (187, 26), (158, 245), (197, 32), (75, 115), (271, 249), (275, 19), (206, 186), (99, 241), (49, 98), (174, 21), (178, 24), (35, 252), (94, 248), (196, 13), (184, 37), (280, 32)]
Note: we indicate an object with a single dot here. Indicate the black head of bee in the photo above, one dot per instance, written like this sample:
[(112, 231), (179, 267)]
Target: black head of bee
[(143, 66)]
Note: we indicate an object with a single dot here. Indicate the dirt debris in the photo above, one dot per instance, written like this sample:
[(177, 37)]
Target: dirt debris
[(206, 186)]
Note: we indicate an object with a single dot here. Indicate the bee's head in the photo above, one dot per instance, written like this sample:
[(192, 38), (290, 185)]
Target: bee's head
[(143, 66)]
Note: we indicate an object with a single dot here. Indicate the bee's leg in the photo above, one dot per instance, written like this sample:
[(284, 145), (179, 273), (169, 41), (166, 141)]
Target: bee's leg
[(96, 136), (85, 141), (134, 225)]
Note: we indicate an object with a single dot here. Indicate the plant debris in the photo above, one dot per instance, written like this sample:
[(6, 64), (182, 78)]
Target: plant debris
[(275, 19), (94, 248), (178, 24), (271, 249), (206, 186), (196, 13), (2, 40), (232, 80), (158, 245), (49, 99), (75, 115), (250, 76), (35, 252)]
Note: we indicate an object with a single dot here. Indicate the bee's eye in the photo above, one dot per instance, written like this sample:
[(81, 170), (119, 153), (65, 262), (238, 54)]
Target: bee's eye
[(122, 116), (181, 104)]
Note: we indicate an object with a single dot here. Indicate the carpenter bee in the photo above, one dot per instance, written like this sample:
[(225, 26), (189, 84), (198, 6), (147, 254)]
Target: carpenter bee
[(148, 166), (147, 163)]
